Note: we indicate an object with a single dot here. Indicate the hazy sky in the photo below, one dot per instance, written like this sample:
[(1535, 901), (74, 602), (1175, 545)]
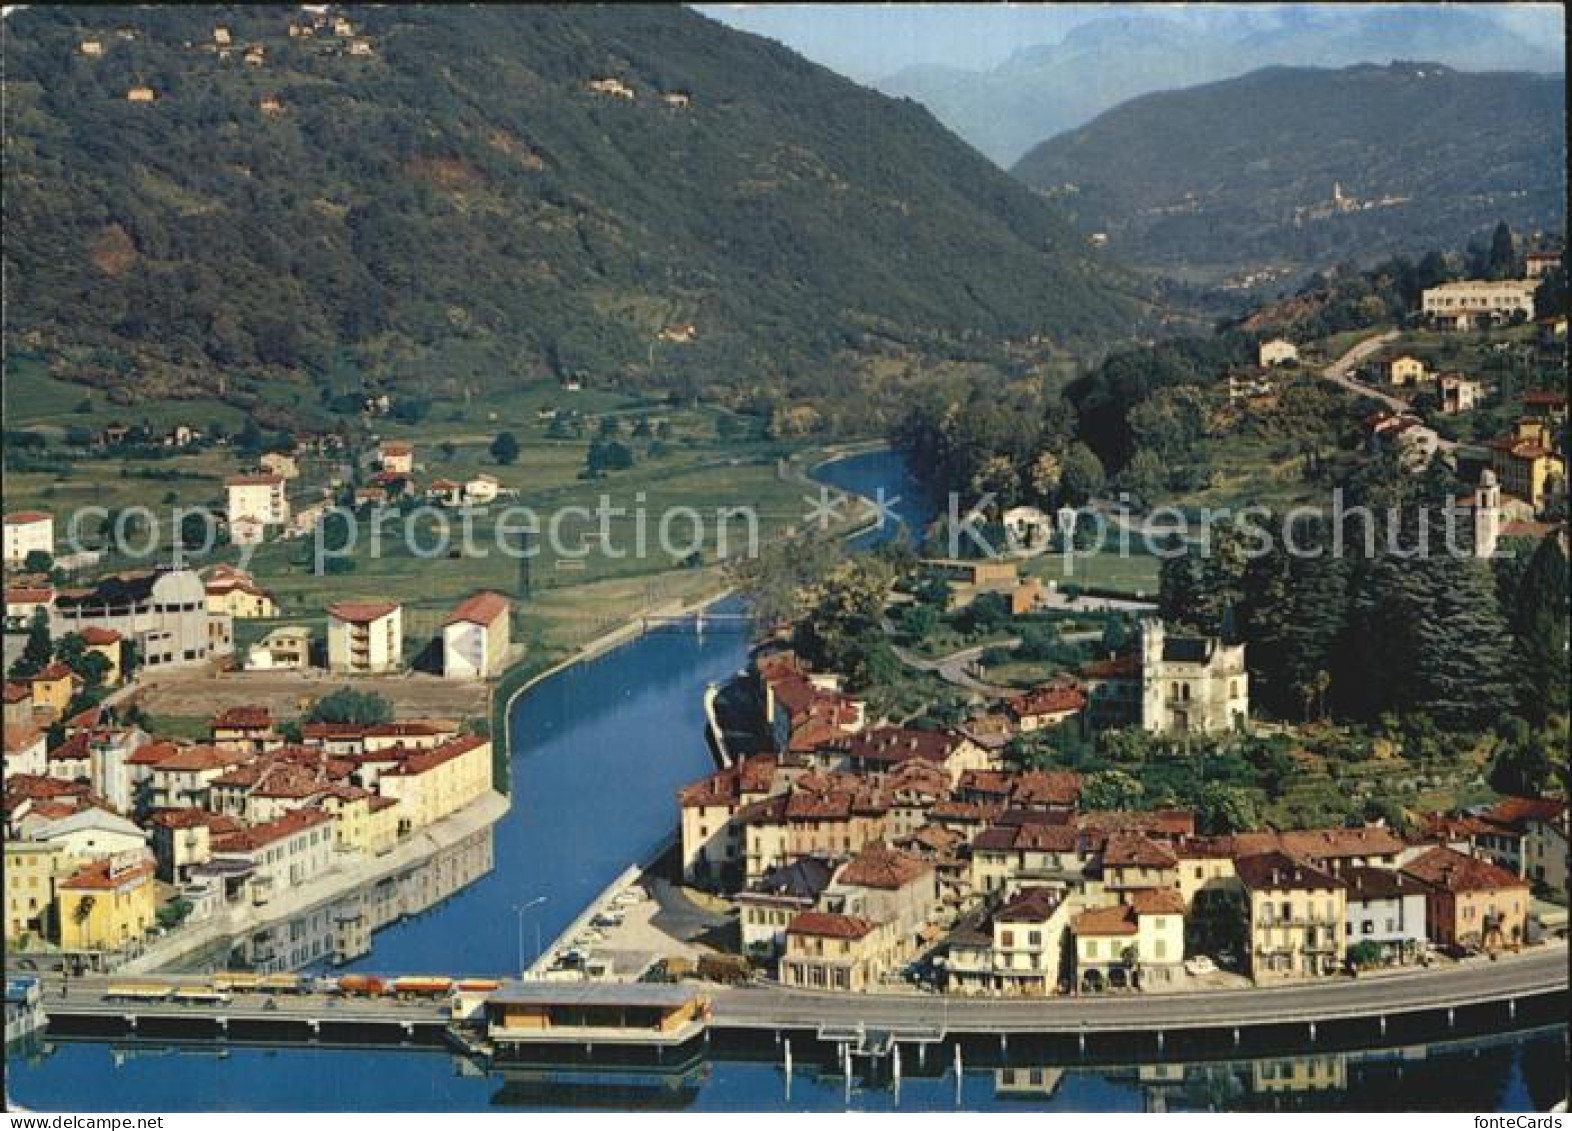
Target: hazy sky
[(870, 41)]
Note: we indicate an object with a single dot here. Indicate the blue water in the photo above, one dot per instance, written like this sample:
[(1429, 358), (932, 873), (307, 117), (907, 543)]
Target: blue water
[(865, 475), (598, 752)]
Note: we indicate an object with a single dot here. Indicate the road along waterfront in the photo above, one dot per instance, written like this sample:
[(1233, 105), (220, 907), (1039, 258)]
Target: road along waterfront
[(598, 751)]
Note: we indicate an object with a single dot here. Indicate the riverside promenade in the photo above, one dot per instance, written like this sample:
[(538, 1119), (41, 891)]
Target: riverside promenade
[(233, 923), (1536, 973)]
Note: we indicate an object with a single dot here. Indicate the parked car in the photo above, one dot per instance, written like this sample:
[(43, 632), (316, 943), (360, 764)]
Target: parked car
[(1199, 965)]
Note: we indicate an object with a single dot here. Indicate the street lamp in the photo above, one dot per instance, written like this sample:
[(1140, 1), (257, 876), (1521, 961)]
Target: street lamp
[(520, 909)]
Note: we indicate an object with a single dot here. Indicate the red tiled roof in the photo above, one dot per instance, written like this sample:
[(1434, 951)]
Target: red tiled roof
[(898, 744), (1134, 849), (95, 635), (1157, 901), (260, 836), (24, 518), (1102, 921), (200, 758), (1450, 870), (1126, 666), (1029, 905), (217, 823), (879, 867), (361, 612), (1333, 844), (1277, 871), (55, 671), (821, 924), (243, 718), (1047, 701), (481, 609), (1517, 812), (20, 736), (96, 876), (420, 761), (28, 595), (17, 692)]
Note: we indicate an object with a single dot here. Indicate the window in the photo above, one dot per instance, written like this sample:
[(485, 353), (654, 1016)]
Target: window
[(1034, 938), (1008, 938)]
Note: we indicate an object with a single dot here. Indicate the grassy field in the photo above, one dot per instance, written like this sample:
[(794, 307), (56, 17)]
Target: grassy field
[(712, 484), (1134, 573)]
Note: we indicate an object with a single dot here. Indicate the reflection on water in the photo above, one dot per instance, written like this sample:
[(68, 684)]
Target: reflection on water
[(598, 753), (341, 931), (1515, 1072)]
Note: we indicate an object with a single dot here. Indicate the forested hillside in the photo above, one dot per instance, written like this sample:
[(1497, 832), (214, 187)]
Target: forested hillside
[(1301, 168), (441, 198)]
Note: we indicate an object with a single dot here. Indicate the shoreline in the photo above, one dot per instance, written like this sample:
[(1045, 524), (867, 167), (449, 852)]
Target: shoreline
[(479, 815)]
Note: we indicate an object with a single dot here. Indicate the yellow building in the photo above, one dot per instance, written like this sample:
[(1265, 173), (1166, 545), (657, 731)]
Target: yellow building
[(350, 807), (107, 904), (31, 870), (1296, 917), (835, 952), (1527, 464), (432, 784), (383, 815), (1404, 370), (53, 688), (240, 598)]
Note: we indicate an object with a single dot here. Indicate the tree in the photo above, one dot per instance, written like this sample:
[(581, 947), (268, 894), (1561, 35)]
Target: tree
[(346, 705), (1083, 474), (1502, 263), (505, 448), (39, 649), (1178, 588), (1222, 809), (1524, 762), (38, 561), (1110, 789), (1540, 633), (1364, 954), (1463, 644)]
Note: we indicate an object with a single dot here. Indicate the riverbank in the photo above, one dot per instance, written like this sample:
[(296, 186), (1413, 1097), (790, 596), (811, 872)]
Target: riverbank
[(230, 923)]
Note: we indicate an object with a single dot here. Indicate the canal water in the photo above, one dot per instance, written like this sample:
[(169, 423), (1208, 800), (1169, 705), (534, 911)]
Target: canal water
[(598, 753)]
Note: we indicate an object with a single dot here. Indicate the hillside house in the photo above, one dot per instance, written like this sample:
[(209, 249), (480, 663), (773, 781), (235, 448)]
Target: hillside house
[(141, 94), (1458, 393), (1527, 464), (1402, 371), (27, 532), (1472, 302), (612, 87), (1277, 351)]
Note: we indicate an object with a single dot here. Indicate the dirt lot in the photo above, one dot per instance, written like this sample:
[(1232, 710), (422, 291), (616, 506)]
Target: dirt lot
[(286, 693)]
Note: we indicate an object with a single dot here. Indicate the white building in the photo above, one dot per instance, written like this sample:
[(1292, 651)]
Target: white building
[(1191, 684), (365, 637), (280, 855), (1462, 304), (25, 747), (1028, 528), (256, 502), (476, 639), (91, 834), (26, 532), (1277, 351), (164, 614), (109, 766), (1386, 908), (481, 490)]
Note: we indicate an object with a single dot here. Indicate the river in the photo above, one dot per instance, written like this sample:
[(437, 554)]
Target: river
[(598, 753)]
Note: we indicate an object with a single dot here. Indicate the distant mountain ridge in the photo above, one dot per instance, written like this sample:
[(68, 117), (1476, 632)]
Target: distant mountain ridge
[(1042, 91), (1305, 167), (486, 193)]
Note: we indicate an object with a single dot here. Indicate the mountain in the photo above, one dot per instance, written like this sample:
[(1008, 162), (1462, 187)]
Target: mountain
[(1039, 92), (444, 196), (1294, 167)]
